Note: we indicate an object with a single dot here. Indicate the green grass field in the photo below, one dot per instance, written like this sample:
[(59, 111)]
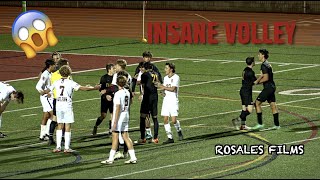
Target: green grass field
[(209, 99)]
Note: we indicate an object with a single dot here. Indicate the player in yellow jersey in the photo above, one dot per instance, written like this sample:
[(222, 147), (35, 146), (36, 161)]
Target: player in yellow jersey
[(54, 77)]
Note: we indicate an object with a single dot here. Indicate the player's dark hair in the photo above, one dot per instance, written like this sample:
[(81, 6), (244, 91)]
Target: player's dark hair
[(49, 62), (147, 65), (141, 64), (109, 66), (264, 52), (62, 62), (171, 66), (123, 73), (147, 54), (20, 96), (249, 60)]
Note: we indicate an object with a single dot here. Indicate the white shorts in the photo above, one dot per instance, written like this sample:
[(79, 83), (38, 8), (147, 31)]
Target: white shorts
[(0, 120), (65, 116), (170, 107), (47, 103), (123, 122)]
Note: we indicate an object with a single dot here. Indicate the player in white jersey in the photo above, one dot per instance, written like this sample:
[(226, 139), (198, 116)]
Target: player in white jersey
[(120, 121), (120, 65), (7, 94), (45, 99), (64, 110), (170, 104)]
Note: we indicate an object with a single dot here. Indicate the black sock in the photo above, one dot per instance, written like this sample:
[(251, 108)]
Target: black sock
[(125, 148), (52, 128), (155, 127), (243, 116), (259, 116), (142, 127), (99, 121), (276, 119), (110, 124)]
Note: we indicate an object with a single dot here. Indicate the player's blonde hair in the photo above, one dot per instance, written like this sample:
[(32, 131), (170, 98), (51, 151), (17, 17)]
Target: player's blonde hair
[(121, 81), (65, 71), (122, 63)]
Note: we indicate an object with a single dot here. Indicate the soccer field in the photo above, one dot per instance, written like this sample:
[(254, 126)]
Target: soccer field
[(209, 98)]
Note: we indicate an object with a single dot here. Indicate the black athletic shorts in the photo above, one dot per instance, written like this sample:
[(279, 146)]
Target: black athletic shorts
[(246, 96), (54, 106), (105, 105), (267, 94), (149, 104)]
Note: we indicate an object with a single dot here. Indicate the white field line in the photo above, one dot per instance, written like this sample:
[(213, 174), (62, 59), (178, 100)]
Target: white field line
[(196, 125), (189, 162), (300, 132), (226, 62), (28, 115), (167, 166), (89, 70)]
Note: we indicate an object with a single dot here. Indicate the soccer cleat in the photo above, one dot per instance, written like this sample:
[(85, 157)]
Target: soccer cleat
[(2, 135), (131, 161), (142, 141), (46, 137), (275, 128), (94, 131), (244, 127), (168, 141), (258, 127), (156, 141), (56, 150), (68, 151), (180, 135), (236, 123), (107, 162), (125, 155), (118, 155)]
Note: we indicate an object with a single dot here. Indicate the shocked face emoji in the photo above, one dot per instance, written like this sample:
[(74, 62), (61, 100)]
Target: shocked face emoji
[(32, 31)]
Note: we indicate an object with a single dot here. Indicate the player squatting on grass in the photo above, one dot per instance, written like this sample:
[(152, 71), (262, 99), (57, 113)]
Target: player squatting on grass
[(258, 149)]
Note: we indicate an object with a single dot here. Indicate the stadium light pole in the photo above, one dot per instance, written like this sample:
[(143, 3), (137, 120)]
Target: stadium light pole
[(24, 6)]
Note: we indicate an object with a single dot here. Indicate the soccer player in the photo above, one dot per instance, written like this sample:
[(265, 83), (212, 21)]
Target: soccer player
[(56, 56), (54, 77), (46, 99), (170, 104), (248, 78), (149, 104), (64, 88), (7, 94), (268, 92), (120, 121), (106, 105)]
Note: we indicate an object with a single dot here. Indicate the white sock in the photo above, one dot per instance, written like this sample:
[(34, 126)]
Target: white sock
[(177, 126), (59, 137), (67, 140), (148, 130), (42, 131), (48, 126), (121, 141), (111, 155), (132, 155), (168, 130)]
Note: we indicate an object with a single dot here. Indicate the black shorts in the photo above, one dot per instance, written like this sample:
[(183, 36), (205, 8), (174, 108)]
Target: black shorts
[(54, 107), (246, 97), (267, 94), (105, 105), (149, 104)]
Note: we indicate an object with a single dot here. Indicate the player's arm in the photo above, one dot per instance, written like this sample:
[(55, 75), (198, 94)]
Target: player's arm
[(134, 79), (172, 89), (264, 75), (155, 68), (89, 88), (116, 119), (3, 106), (40, 85)]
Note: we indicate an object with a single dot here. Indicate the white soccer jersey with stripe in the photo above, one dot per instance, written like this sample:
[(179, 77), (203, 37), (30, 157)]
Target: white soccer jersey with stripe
[(115, 76), (170, 82), (64, 89)]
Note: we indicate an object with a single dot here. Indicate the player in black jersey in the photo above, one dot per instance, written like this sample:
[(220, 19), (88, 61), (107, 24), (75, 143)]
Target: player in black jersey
[(149, 104), (147, 55), (248, 78), (268, 92), (105, 91)]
